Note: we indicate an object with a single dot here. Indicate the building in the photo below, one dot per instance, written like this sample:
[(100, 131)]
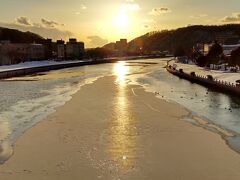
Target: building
[(122, 45), (3, 56), (48, 45), (35, 52), (110, 47), (13, 53), (74, 49), (206, 48), (199, 47), (227, 38), (227, 49), (60, 49)]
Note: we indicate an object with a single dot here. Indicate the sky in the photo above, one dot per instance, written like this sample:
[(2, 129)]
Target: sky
[(98, 22)]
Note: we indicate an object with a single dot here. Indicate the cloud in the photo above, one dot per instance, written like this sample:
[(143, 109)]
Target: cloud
[(23, 21), (37, 28), (44, 28), (96, 41), (48, 23), (130, 5), (83, 7), (159, 11), (234, 18)]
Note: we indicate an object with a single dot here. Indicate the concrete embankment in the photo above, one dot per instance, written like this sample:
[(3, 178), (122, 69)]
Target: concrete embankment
[(210, 82)]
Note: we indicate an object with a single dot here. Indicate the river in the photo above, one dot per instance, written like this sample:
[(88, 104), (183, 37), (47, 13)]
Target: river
[(27, 100)]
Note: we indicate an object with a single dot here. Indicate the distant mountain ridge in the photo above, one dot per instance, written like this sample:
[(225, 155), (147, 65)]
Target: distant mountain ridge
[(186, 37), (168, 40), (16, 36)]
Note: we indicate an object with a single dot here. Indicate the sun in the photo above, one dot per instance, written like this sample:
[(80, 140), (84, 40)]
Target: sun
[(121, 20)]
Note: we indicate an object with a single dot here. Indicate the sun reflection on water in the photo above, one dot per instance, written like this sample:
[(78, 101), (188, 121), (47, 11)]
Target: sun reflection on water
[(122, 133), (121, 70)]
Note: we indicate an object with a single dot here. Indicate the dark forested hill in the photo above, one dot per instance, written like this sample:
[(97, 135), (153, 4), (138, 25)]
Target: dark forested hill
[(186, 37), (16, 36)]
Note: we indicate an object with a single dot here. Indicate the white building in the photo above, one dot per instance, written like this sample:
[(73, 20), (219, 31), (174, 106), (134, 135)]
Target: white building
[(227, 49)]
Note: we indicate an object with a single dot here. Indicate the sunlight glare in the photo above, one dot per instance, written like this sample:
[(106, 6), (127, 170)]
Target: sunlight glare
[(121, 20), (120, 70)]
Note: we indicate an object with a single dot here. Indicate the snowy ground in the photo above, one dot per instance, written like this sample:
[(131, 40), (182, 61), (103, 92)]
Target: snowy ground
[(220, 75), (30, 64)]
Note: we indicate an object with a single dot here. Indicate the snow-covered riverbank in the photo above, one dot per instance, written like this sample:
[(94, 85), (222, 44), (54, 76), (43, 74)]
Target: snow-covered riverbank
[(220, 75), (31, 64)]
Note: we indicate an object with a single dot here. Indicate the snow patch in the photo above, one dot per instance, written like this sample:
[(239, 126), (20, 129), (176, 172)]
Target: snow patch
[(31, 64)]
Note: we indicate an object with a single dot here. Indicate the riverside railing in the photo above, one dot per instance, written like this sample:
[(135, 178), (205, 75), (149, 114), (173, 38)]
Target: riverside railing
[(207, 81)]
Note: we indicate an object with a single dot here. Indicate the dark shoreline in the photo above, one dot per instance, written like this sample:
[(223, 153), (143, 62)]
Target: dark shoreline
[(32, 70)]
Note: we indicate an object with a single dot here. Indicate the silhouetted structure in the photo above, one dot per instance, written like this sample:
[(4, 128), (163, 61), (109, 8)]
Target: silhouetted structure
[(119, 48), (48, 44), (122, 45), (12, 53), (61, 51), (235, 57), (74, 49), (227, 38)]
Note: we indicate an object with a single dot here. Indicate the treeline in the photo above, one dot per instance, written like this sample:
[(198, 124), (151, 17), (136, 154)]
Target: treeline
[(16, 36), (178, 42), (216, 56), (185, 38)]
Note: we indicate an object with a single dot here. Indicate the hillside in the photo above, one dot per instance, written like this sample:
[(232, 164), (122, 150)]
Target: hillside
[(185, 37), (17, 36)]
